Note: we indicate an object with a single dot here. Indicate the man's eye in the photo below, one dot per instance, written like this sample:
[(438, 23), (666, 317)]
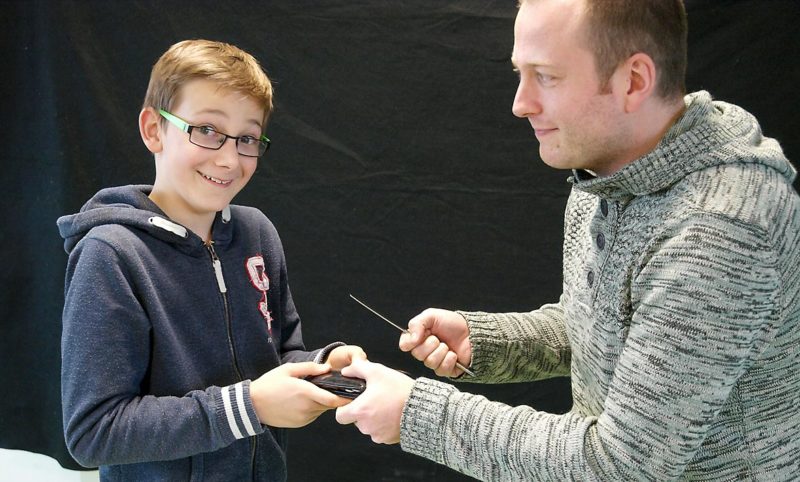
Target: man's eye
[(545, 79), (249, 140), (207, 131)]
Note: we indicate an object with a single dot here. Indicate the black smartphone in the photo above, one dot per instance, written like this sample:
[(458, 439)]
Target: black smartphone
[(338, 384)]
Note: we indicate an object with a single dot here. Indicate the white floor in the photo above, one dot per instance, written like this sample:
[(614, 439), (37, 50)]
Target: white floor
[(22, 466)]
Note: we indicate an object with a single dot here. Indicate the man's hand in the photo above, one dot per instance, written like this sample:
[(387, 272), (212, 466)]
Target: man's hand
[(343, 356), (282, 398), (439, 338), (377, 411)]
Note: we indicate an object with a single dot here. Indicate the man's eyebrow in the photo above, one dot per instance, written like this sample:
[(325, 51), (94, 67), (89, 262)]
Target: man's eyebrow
[(533, 65)]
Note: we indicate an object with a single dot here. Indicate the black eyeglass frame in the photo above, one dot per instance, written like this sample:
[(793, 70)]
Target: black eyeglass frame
[(264, 142)]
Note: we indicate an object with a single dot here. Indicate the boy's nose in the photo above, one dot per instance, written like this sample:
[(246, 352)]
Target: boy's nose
[(228, 153)]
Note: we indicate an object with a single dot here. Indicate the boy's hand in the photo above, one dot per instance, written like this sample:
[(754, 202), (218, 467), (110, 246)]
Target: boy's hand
[(343, 356), (439, 339), (282, 398)]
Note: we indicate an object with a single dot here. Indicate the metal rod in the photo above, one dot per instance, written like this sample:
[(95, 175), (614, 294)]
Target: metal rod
[(387, 320)]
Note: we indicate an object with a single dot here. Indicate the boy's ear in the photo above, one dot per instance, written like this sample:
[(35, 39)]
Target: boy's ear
[(150, 129), (640, 71)]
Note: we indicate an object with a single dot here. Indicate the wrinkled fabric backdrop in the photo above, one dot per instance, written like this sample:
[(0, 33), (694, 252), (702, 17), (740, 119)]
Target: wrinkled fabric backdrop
[(397, 172)]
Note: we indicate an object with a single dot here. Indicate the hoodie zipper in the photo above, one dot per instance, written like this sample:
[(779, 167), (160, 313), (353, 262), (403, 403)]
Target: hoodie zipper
[(224, 292)]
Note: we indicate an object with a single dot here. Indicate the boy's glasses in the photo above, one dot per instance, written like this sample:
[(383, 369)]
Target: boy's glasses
[(210, 138)]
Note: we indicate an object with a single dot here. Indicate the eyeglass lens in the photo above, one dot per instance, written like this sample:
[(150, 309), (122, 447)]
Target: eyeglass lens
[(207, 137)]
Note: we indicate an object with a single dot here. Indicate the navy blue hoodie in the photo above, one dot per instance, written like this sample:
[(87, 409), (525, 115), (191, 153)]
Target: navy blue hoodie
[(162, 335)]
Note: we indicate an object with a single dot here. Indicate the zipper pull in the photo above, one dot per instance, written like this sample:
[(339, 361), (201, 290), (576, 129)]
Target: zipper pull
[(217, 269), (220, 279)]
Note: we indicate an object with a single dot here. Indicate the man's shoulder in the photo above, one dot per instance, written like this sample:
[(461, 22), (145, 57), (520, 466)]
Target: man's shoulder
[(749, 192)]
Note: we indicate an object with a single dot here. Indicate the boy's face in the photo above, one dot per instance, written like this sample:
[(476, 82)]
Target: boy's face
[(193, 183)]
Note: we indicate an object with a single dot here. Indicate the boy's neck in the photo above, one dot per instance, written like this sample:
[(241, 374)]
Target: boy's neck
[(198, 223)]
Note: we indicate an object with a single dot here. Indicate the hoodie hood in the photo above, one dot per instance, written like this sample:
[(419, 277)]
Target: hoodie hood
[(130, 206), (709, 134)]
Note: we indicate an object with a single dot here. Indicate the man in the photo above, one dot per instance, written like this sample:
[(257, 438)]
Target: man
[(678, 321)]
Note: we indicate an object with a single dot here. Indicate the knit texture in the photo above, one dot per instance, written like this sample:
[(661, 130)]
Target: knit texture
[(678, 325)]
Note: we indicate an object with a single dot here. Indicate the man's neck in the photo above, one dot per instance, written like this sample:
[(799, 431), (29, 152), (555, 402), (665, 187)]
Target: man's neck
[(649, 129)]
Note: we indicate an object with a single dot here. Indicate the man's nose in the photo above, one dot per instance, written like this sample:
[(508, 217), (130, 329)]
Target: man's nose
[(526, 102)]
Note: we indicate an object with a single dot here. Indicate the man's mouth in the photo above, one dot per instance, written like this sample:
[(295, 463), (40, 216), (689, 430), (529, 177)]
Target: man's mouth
[(542, 132)]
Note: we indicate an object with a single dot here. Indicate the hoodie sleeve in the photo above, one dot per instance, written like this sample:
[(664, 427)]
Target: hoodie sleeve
[(105, 359)]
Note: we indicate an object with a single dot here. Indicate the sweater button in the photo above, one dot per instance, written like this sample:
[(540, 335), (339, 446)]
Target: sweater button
[(601, 241), (604, 207), (590, 278)]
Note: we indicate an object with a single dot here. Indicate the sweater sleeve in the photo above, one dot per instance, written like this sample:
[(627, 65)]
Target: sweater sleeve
[(518, 347), (706, 304), (105, 358)]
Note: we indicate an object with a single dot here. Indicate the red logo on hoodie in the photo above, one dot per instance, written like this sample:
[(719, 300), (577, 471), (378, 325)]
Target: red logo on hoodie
[(258, 276)]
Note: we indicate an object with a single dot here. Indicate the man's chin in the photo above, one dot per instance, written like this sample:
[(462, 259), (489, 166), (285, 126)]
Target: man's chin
[(557, 162)]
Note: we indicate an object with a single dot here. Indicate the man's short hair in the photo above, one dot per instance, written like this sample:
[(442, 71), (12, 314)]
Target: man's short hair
[(617, 29), (226, 65)]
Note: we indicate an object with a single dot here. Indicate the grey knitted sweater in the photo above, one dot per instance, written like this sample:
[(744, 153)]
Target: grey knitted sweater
[(678, 325)]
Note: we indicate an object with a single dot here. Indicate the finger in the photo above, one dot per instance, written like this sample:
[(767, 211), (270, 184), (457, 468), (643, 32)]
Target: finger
[(345, 416), (410, 340), (422, 351), (418, 327), (448, 366), (305, 369), (325, 399), (435, 359), (357, 354), (358, 369)]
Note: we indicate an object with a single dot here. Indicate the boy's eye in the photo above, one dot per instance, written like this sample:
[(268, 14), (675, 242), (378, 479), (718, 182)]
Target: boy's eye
[(206, 131), (248, 140)]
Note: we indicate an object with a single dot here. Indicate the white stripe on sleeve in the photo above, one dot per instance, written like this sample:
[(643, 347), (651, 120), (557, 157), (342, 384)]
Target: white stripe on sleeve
[(226, 402), (243, 410)]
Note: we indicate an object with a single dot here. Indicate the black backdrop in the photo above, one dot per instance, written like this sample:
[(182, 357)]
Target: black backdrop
[(397, 171)]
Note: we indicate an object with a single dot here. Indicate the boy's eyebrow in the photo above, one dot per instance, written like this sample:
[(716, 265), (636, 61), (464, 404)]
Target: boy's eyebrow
[(224, 114)]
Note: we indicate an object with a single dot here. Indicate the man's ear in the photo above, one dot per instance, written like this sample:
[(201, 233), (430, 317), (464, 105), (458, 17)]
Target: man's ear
[(639, 72), (150, 129)]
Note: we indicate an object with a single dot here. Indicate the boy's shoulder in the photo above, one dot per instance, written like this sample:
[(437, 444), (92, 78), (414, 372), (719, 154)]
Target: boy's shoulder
[(251, 217), (246, 212), (121, 238)]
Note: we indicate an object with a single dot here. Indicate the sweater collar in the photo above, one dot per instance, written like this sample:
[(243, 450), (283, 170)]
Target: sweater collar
[(709, 133)]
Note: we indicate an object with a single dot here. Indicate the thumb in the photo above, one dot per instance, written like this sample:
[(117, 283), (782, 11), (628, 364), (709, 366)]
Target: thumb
[(345, 415), (418, 328), (306, 369), (358, 369)]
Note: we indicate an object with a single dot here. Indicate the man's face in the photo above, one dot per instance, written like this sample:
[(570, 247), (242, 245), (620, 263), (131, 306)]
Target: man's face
[(195, 181), (577, 126)]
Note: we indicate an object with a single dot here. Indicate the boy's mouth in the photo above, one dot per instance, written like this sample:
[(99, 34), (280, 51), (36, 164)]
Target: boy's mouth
[(215, 180)]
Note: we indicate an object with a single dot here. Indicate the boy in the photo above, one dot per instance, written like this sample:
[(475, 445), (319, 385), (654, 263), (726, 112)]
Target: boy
[(175, 300)]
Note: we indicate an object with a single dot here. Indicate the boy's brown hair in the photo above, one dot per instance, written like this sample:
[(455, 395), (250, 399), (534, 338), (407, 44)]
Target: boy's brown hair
[(226, 65)]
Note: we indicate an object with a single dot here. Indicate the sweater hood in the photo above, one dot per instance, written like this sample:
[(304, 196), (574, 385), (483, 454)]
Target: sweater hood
[(130, 206), (708, 134)]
